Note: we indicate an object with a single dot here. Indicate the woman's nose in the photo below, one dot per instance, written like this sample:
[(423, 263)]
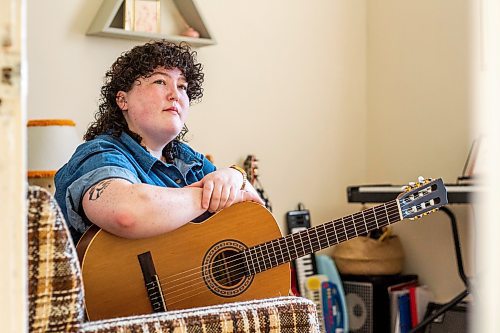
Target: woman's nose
[(173, 94)]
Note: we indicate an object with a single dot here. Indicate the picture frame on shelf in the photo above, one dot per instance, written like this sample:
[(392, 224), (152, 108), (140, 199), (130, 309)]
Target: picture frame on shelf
[(142, 15)]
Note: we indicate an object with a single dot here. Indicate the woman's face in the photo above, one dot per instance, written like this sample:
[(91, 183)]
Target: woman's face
[(156, 107)]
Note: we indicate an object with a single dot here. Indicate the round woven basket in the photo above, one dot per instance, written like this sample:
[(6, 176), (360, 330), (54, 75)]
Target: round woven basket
[(367, 256)]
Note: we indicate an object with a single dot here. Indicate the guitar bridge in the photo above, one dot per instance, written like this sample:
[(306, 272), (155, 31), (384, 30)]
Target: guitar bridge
[(152, 283)]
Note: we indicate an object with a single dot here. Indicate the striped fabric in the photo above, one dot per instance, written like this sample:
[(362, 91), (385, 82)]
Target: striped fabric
[(282, 314), (56, 293)]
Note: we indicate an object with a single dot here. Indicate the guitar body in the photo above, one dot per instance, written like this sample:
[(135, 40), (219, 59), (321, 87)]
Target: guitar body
[(189, 264)]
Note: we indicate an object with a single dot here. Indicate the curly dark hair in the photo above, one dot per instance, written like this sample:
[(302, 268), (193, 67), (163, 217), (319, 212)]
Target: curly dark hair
[(141, 61)]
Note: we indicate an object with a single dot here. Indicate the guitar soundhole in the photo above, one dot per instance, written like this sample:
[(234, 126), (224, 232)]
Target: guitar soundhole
[(228, 269), (224, 269)]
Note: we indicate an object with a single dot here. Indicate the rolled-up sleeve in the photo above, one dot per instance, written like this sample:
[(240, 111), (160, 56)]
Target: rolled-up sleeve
[(91, 163), (76, 191)]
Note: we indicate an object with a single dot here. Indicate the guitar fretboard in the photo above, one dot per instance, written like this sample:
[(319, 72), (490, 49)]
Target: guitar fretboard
[(285, 249)]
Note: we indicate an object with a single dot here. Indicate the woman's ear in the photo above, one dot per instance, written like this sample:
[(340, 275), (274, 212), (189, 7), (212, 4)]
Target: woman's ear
[(121, 100)]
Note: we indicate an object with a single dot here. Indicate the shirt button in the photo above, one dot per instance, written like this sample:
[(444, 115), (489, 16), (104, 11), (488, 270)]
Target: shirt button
[(178, 181)]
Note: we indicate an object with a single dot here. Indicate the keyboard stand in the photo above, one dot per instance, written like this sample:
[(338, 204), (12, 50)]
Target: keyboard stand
[(460, 266), (462, 194)]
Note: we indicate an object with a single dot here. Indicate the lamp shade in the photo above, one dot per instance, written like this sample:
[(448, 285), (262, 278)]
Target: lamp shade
[(51, 142)]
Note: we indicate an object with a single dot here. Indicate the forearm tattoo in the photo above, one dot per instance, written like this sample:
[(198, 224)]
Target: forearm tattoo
[(97, 189)]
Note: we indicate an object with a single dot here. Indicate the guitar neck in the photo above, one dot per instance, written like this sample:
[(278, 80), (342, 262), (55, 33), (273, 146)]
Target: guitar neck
[(285, 249)]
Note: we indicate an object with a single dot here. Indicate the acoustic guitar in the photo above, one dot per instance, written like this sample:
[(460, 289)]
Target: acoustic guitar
[(235, 255)]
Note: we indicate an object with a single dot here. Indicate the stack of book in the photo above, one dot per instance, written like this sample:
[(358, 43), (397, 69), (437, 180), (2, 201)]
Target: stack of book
[(408, 302)]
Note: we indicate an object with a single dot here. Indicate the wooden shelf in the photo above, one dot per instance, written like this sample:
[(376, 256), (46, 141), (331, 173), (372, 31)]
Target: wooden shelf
[(108, 22)]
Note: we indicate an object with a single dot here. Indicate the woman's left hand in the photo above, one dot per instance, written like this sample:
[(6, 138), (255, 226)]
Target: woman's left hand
[(222, 188)]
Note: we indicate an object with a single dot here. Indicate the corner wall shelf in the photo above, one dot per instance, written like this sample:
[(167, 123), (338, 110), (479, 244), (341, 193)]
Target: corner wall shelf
[(108, 22)]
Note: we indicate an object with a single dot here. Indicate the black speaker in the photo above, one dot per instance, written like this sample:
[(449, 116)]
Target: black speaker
[(367, 300), (455, 320)]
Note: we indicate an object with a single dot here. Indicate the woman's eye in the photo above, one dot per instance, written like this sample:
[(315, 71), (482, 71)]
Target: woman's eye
[(183, 86), (161, 82)]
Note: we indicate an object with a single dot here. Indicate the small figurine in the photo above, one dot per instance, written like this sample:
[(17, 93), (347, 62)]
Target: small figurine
[(190, 32)]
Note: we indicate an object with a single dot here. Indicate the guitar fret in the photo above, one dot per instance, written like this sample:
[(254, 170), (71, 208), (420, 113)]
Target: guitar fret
[(356, 228), (326, 234), (387, 214), (288, 251), (345, 231), (274, 257), (246, 260), (299, 242), (262, 257), (301, 245), (380, 214), (283, 260), (335, 232), (365, 220), (339, 230), (375, 215), (278, 260), (294, 245), (269, 257), (252, 262), (319, 239), (369, 225), (271, 254), (255, 262), (396, 212), (362, 224), (350, 235), (311, 249), (259, 269)]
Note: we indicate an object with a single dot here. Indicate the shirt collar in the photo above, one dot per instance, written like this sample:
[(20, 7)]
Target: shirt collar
[(183, 155), (141, 155)]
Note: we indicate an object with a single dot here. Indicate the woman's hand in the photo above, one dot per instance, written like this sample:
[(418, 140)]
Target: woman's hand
[(222, 188)]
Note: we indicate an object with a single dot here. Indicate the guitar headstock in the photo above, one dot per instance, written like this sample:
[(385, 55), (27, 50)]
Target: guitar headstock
[(422, 198), (251, 168)]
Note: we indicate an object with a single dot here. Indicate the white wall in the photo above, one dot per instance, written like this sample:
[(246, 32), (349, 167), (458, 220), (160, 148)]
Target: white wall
[(486, 105), (325, 95), (419, 102)]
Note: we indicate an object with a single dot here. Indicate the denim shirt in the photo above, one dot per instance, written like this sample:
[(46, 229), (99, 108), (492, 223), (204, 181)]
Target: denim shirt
[(109, 157)]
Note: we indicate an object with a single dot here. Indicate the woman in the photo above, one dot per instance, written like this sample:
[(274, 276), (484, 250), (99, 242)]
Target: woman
[(134, 177)]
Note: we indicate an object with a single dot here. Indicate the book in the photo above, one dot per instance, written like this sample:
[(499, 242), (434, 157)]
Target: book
[(413, 306), (394, 292), (423, 296), (404, 312), (419, 298)]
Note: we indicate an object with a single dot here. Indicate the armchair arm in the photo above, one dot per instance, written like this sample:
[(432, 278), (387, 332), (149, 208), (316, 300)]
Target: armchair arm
[(287, 314)]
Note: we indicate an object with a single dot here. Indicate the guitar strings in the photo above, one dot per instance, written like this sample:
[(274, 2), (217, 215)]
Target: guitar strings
[(240, 266), (292, 237), (190, 286), (363, 219)]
